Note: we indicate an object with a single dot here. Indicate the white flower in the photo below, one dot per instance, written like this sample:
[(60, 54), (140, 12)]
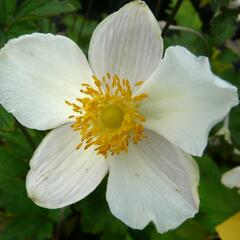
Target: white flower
[(231, 178), (151, 178)]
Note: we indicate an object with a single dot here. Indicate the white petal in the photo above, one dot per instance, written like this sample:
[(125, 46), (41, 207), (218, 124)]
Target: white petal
[(127, 43), (38, 72), (231, 178), (154, 181), (61, 175), (186, 99)]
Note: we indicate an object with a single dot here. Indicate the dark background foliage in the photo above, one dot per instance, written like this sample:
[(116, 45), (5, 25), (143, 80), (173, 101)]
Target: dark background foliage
[(206, 27)]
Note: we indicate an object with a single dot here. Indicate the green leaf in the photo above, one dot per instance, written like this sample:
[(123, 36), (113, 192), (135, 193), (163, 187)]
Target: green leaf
[(6, 120), (111, 236), (28, 227), (10, 164), (223, 27), (217, 202), (222, 64), (215, 4), (15, 142), (44, 8), (235, 126), (187, 16), (46, 25), (7, 9), (26, 221), (76, 3), (128, 237), (228, 56), (80, 30), (188, 33), (96, 217), (20, 28), (184, 232), (195, 44)]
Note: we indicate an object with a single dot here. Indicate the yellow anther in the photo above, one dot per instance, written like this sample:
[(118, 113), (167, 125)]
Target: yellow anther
[(139, 83), (108, 75), (140, 97), (85, 85), (68, 103)]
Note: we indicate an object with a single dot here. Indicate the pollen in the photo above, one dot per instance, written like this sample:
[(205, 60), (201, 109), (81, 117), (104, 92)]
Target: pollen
[(108, 116)]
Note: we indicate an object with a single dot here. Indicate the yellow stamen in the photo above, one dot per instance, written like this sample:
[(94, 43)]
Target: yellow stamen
[(108, 117), (138, 83), (108, 75)]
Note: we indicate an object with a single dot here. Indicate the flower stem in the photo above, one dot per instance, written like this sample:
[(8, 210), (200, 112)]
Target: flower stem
[(26, 135), (171, 17)]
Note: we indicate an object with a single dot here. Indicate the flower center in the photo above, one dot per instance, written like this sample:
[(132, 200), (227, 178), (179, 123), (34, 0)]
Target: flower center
[(112, 116), (108, 117)]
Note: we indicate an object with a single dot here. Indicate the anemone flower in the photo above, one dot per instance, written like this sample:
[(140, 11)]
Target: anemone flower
[(128, 112)]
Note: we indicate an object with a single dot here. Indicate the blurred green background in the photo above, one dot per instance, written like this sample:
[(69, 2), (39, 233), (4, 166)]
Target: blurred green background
[(206, 27)]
